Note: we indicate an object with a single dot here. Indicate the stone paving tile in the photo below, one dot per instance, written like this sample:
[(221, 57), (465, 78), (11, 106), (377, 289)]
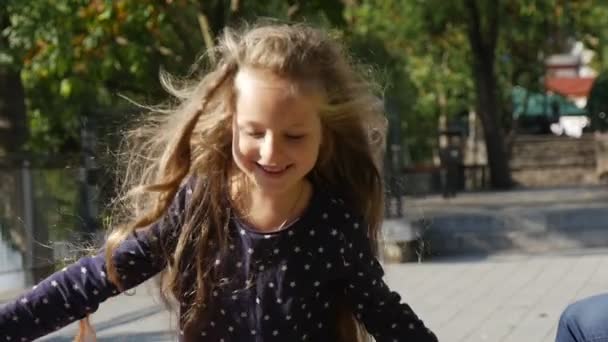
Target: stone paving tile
[(501, 299)]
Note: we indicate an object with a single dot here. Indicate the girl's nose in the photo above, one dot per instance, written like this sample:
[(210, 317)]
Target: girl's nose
[(269, 149)]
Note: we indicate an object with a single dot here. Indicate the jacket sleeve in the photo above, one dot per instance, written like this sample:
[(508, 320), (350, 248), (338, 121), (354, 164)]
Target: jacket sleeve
[(77, 290), (380, 310)]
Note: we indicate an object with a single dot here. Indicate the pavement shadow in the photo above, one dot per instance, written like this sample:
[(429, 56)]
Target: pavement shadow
[(479, 231), (458, 233)]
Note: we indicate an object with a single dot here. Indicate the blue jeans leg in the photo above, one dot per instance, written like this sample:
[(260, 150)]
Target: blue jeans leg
[(585, 321)]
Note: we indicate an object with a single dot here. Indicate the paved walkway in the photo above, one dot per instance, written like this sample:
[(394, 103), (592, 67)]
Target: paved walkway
[(515, 298), (508, 298)]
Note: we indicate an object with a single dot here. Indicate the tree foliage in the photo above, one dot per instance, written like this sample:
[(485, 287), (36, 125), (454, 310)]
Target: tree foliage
[(76, 57), (469, 54)]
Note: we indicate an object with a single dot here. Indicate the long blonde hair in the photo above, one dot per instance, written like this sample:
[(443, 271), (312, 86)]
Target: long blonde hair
[(193, 138)]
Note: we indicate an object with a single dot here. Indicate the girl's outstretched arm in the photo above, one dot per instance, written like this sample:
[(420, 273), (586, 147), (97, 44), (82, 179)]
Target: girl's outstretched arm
[(76, 291), (374, 304)]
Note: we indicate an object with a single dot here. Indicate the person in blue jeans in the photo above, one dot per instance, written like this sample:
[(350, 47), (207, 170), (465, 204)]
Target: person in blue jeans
[(585, 321)]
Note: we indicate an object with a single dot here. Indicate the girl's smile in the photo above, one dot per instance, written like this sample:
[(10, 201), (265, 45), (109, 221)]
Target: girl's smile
[(273, 171)]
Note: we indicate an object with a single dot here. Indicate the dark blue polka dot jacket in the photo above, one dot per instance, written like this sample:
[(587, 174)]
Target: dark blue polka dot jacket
[(282, 286)]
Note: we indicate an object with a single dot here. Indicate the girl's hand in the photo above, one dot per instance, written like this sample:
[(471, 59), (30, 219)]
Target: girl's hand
[(86, 333)]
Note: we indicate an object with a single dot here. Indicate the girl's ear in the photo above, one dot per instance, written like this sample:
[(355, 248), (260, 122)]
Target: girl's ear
[(86, 333)]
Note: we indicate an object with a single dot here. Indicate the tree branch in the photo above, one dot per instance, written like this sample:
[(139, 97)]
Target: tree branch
[(207, 35)]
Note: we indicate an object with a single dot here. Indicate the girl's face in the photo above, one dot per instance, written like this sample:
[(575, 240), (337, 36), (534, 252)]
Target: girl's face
[(276, 131)]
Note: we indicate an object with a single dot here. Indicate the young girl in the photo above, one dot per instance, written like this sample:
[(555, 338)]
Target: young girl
[(259, 200)]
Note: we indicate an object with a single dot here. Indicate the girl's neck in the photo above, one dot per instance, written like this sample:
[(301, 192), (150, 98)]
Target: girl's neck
[(269, 212)]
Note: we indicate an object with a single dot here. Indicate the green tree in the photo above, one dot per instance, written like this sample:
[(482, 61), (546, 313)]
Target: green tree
[(427, 69), (476, 47), (76, 56)]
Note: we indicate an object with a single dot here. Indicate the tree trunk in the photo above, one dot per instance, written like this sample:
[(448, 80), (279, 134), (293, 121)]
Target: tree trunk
[(489, 112), (12, 112), (220, 14), (29, 236), (12, 137), (13, 130), (483, 45)]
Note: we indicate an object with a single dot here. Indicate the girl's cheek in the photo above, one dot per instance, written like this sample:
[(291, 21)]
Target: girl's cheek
[(248, 148)]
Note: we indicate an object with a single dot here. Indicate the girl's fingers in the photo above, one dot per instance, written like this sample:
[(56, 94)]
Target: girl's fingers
[(86, 333)]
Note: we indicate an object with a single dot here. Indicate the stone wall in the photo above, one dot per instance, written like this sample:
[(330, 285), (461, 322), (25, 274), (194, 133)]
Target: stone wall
[(541, 161)]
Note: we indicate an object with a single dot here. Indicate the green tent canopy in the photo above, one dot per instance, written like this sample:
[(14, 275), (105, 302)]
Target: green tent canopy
[(553, 105)]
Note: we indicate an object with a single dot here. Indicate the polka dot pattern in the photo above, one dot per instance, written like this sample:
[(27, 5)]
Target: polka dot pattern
[(281, 286)]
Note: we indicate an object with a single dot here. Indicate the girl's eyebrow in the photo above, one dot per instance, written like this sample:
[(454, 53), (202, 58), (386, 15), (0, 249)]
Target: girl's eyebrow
[(250, 123)]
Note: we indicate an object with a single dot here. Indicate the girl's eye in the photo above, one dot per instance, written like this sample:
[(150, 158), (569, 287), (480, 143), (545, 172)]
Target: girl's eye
[(255, 134), (295, 136)]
